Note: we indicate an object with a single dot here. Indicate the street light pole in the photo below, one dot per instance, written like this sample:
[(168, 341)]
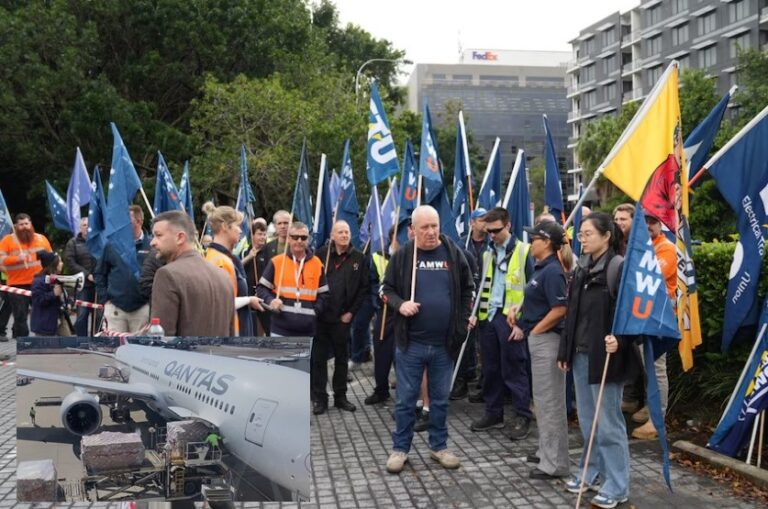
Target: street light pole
[(360, 70)]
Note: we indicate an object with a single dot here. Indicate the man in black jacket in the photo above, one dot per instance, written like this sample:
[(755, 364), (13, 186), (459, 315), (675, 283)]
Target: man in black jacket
[(78, 258), (346, 270), (430, 326)]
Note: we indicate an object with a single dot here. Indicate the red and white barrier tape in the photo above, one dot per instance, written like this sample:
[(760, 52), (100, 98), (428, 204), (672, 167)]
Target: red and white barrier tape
[(17, 291), (86, 304)]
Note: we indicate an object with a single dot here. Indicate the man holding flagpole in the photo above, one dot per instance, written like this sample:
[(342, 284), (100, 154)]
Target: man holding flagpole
[(431, 298)]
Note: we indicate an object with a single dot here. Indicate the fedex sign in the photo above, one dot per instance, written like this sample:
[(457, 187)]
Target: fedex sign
[(488, 55)]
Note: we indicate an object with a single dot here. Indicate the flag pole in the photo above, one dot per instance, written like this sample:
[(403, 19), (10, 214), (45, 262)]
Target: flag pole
[(594, 428), (760, 441), (701, 171), (491, 159), (730, 143), (475, 306), (752, 439), (466, 160), (146, 202), (383, 256)]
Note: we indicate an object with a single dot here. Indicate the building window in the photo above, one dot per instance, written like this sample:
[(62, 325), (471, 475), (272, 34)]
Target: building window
[(737, 10), (708, 56), (654, 15), (654, 45), (589, 44), (609, 37), (739, 43), (462, 77), (684, 62), (609, 64), (680, 35), (590, 100), (679, 6), (707, 23), (654, 73), (589, 74), (609, 92)]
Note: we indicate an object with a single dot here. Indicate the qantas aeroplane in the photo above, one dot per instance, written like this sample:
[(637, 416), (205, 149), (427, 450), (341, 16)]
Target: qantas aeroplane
[(260, 409)]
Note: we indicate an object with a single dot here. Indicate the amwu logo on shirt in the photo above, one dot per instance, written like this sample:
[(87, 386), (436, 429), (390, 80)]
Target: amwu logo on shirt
[(432, 265)]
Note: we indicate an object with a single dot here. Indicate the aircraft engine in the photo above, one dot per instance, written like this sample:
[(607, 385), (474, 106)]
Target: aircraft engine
[(81, 413)]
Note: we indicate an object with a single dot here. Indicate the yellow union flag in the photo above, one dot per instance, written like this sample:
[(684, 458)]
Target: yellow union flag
[(648, 140)]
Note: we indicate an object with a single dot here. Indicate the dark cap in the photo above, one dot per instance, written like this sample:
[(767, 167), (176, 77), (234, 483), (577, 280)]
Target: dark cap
[(478, 212), (549, 230), (46, 257)]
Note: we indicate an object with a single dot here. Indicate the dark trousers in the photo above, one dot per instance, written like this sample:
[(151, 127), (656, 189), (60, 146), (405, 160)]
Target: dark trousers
[(360, 345), (383, 352), (83, 313), (505, 366), (260, 318), (5, 313), (20, 309), (468, 366), (329, 336)]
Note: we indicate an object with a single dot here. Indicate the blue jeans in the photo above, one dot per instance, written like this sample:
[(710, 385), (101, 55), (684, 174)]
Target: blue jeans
[(409, 367), (610, 451), (360, 345)]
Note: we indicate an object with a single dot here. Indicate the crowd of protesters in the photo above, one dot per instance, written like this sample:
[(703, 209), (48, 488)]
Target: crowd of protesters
[(530, 323)]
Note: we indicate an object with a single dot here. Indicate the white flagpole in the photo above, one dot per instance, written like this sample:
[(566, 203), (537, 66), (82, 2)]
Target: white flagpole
[(319, 191), (463, 134), (513, 177), (494, 154)]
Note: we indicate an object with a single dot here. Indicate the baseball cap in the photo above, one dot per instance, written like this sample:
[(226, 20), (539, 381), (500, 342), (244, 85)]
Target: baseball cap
[(478, 212), (547, 230)]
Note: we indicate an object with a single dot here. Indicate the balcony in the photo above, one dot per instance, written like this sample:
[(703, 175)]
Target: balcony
[(631, 38), (632, 95), (764, 15), (573, 116), (630, 68)]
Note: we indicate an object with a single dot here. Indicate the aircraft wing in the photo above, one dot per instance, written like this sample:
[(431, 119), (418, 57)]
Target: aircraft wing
[(133, 390)]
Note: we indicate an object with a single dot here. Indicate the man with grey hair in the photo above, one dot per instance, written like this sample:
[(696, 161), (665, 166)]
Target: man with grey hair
[(190, 296), (430, 325), (281, 220)]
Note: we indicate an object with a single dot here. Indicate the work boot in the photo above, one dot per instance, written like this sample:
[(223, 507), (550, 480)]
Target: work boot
[(641, 416), (344, 404), (488, 422), (396, 462), (645, 432), (446, 459), (319, 407)]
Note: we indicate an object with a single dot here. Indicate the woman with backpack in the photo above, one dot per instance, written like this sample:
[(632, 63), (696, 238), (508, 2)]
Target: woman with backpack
[(584, 345)]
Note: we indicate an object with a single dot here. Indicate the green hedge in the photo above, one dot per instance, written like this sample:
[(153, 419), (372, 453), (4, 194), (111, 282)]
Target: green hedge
[(705, 389)]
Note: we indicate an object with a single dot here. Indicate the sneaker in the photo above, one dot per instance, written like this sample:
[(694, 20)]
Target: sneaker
[(396, 462), (488, 422), (572, 485), (641, 416), (446, 458), (422, 421), (376, 398), (629, 407), (645, 432), (520, 428), (607, 502)]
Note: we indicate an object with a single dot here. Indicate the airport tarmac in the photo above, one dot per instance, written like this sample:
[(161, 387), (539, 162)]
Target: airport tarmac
[(47, 438)]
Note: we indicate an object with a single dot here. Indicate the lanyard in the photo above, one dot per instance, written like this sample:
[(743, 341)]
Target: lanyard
[(297, 274)]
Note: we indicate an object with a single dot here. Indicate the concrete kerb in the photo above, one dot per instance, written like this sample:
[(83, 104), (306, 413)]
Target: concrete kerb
[(755, 475)]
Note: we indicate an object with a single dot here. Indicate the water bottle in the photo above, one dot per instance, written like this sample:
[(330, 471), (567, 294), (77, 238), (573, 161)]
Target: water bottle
[(155, 332)]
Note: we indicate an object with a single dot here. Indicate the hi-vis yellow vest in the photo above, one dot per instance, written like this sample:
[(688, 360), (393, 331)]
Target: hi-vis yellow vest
[(514, 282), (381, 265)]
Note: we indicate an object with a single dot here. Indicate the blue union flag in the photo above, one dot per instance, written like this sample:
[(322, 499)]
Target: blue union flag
[(382, 157)]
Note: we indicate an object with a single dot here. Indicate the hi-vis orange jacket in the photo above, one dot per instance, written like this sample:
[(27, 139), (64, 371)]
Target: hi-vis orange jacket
[(12, 253)]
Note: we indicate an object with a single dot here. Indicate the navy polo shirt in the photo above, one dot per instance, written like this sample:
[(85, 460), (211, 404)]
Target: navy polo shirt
[(545, 289)]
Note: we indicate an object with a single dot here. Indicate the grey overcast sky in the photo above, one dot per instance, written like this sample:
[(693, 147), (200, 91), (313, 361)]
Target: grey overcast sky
[(430, 31)]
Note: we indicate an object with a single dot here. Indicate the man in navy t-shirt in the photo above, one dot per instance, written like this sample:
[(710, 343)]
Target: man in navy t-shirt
[(430, 326)]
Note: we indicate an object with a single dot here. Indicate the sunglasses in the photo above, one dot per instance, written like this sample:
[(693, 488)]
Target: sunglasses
[(299, 237), (494, 230)]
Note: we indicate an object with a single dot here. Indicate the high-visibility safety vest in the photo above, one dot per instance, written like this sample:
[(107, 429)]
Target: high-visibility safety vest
[(300, 283), (20, 272), (223, 261), (380, 262), (514, 282)]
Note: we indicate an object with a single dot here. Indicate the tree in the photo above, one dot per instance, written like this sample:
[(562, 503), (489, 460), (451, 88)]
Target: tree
[(752, 95)]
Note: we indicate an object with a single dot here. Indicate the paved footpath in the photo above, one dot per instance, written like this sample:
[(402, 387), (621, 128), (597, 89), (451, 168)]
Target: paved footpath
[(349, 451)]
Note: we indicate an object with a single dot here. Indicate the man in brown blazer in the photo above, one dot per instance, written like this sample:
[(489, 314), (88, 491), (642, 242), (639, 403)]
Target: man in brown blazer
[(189, 295)]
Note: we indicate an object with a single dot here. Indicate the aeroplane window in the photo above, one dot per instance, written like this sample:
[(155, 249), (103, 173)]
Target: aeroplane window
[(226, 408), (252, 416), (232, 410)]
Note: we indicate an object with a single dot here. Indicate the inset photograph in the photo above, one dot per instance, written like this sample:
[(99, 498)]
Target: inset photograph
[(132, 418)]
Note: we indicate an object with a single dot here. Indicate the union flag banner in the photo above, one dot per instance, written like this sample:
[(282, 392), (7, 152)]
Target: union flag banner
[(648, 164)]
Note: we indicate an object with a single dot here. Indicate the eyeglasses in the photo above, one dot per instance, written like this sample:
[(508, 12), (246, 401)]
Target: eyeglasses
[(494, 230), (585, 235), (299, 237)]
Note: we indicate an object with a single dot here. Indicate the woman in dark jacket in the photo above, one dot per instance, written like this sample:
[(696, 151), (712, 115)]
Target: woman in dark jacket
[(584, 343), (46, 297)]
